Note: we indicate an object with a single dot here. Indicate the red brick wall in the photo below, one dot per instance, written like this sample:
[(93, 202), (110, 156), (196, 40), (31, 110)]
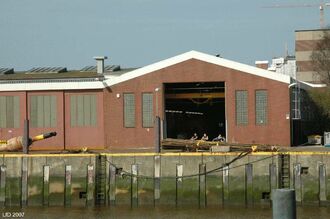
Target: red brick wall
[(262, 65), (276, 132)]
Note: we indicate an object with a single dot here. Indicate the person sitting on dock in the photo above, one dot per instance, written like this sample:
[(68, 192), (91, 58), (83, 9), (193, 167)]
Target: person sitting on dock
[(205, 137), (194, 137), (219, 138)]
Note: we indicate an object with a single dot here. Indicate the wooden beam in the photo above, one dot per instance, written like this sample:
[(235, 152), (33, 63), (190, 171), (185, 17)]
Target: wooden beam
[(195, 95)]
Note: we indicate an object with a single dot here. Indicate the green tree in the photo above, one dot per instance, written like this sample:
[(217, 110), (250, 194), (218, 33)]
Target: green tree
[(321, 99)]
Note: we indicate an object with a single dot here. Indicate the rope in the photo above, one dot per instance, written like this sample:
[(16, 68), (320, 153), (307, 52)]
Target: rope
[(241, 155)]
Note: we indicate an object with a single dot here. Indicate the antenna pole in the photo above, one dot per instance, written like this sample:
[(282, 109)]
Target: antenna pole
[(321, 16)]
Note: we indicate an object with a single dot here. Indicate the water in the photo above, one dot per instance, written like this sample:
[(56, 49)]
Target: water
[(157, 212)]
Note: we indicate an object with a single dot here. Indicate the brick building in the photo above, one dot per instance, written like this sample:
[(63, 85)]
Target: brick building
[(191, 92)]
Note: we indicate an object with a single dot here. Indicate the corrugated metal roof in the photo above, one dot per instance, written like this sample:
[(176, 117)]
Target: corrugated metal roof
[(107, 68), (5, 71), (47, 70), (41, 75), (112, 68), (90, 68)]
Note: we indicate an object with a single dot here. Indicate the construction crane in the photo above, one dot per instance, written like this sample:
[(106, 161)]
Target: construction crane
[(321, 6)]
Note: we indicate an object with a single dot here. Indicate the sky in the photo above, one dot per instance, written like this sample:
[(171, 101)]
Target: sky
[(135, 33)]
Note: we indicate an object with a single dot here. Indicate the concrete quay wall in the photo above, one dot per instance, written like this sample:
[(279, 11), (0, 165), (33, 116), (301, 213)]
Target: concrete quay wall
[(201, 179)]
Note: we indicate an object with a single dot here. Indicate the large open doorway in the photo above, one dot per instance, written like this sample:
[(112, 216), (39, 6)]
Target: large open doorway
[(197, 107)]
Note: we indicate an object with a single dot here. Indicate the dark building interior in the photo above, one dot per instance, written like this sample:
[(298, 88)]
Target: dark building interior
[(197, 107)]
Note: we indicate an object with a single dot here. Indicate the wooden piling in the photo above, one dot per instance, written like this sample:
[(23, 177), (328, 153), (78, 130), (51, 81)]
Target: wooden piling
[(322, 184), (3, 169), (67, 192), (156, 179), (179, 180), (202, 186), (26, 139), (112, 186), (45, 193), (249, 184), (90, 185), (24, 180), (157, 134), (134, 185), (297, 181)]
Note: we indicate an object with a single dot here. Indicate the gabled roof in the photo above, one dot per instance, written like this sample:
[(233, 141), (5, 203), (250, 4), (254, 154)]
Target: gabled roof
[(93, 81), (202, 57)]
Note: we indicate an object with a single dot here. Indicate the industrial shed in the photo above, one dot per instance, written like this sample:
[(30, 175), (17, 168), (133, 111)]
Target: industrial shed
[(197, 92), (70, 103), (190, 93)]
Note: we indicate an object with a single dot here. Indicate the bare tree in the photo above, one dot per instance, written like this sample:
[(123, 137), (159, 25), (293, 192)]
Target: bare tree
[(321, 58), (321, 97)]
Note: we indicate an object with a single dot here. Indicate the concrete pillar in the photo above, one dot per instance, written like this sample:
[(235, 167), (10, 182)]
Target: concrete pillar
[(134, 185), (322, 184), (178, 186), (272, 176), (3, 169), (202, 186), (67, 190), (249, 184), (90, 185), (24, 178), (156, 179), (297, 181), (225, 183), (45, 193), (284, 204), (112, 186)]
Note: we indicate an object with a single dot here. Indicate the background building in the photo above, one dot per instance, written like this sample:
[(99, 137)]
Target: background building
[(284, 65), (306, 41)]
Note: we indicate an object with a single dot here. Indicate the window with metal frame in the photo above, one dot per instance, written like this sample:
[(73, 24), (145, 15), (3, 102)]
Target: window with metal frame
[(241, 107), (147, 110), (129, 110), (83, 110), (9, 112), (261, 107), (43, 111)]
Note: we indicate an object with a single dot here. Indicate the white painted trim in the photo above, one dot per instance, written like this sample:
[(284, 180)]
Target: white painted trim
[(261, 62), (306, 85), (52, 86), (202, 57)]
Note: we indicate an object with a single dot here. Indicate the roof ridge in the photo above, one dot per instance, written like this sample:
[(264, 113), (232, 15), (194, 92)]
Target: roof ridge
[(203, 57)]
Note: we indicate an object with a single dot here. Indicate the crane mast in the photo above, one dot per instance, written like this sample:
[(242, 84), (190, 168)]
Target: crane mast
[(321, 7)]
